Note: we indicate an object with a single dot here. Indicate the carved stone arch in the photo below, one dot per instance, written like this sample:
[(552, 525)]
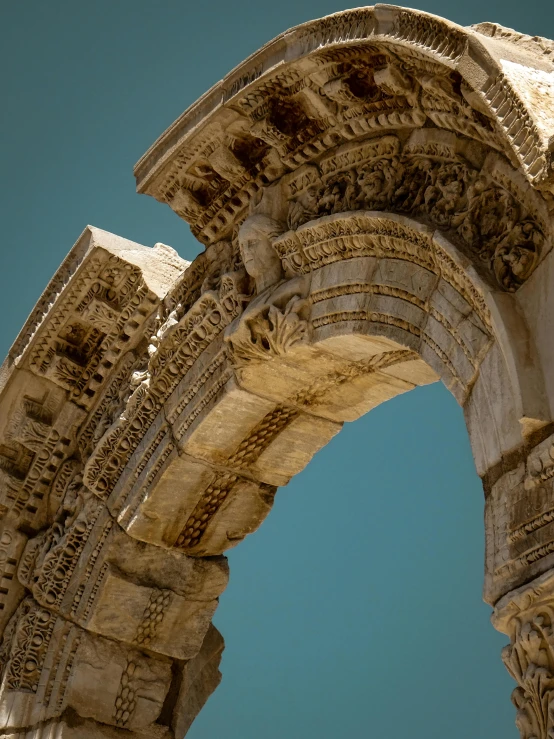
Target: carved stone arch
[(387, 276), (351, 75), (375, 193), (379, 303)]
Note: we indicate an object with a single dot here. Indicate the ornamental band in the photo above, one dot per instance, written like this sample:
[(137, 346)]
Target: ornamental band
[(375, 194)]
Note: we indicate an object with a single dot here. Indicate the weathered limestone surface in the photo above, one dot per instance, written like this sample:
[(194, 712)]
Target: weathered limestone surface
[(375, 192)]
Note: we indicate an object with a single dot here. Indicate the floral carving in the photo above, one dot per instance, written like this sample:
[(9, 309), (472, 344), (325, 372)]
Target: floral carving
[(530, 661), (50, 558), (272, 332), (137, 362), (483, 216), (29, 646)]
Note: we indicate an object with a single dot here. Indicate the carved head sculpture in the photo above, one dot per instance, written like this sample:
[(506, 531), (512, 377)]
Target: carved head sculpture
[(517, 255), (260, 258), (309, 198)]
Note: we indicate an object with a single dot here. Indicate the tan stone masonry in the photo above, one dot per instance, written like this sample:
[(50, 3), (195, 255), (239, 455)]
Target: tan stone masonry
[(375, 192)]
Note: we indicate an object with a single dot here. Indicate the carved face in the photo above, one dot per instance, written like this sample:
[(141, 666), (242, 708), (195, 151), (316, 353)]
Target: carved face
[(310, 197), (258, 255), (252, 250)]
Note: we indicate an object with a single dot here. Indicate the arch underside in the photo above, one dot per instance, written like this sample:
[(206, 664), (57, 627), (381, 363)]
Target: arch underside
[(375, 196)]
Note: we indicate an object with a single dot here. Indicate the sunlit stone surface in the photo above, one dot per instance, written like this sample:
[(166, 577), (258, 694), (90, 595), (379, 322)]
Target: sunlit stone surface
[(375, 192)]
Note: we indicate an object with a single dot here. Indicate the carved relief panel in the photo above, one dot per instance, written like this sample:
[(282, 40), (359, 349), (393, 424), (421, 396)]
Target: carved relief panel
[(370, 207), (89, 327), (484, 205), (37, 436), (520, 521)]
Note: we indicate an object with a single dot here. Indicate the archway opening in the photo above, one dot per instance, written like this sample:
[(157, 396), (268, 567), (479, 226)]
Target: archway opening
[(328, 627)]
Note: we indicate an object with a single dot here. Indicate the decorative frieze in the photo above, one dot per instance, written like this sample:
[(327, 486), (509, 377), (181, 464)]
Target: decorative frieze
[(51, 665), (375, 193), (488, 211), (409, 71), (520, 513)]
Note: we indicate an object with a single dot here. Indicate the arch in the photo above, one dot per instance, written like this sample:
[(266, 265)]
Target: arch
[(477, 82), (375, 194)]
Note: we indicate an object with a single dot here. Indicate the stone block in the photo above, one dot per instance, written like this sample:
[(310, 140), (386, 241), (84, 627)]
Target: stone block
[(100, 578), (53, 665), (231, 515), (331, 278), (406, 277), (453, 353), (502, 528), (357, 339), (433, 356), (493, 426), (350, 399), (520, 521), (448, 302), (220, 506), (232, 416), (151, 618), (343, 303), (412, 371), (292, 448), (199, 678), (148, 468), (160, 511)]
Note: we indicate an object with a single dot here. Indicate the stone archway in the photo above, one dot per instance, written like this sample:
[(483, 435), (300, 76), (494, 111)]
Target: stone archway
[(375, 194)]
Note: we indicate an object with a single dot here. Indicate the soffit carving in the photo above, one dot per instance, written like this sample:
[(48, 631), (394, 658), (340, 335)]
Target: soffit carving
[(354, 75), (365, 210)]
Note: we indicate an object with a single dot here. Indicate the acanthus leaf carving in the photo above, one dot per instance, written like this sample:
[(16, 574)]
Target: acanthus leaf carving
[(527, 616), (270, 333), (146, 372), (530, 661)]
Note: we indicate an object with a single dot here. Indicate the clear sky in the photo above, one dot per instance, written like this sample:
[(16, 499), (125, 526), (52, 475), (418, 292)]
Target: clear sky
[(356, 610)]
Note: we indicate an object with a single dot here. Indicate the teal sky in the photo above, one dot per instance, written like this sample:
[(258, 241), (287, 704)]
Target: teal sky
[(356, 610)]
